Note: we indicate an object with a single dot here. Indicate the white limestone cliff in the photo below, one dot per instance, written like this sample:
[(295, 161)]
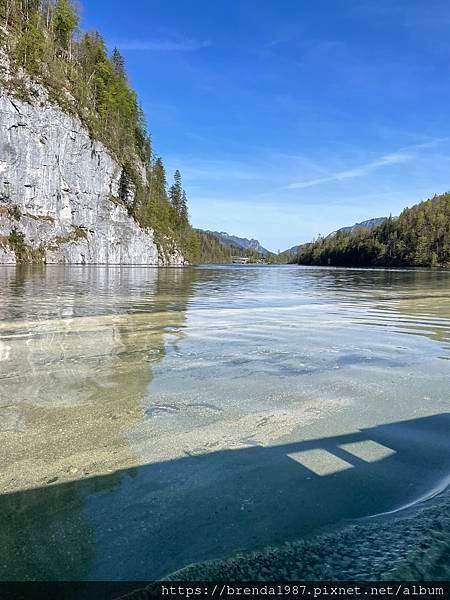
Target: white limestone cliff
[(59, 190)]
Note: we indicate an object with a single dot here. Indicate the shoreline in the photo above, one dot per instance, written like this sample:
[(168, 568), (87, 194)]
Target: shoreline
[(399, 268), (412, 545)]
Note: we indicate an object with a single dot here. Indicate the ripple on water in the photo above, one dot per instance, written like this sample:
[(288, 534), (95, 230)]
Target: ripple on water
[(191, 392)]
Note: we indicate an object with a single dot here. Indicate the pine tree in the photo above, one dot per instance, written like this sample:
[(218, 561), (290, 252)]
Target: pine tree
[(118, 63), (158, 213), (159, 183), (176, 193), (184, 216), (178, 199)]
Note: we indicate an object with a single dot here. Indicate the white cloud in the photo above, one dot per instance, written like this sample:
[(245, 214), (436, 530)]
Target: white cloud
[(388, 159), (394, 158), (165, 45)]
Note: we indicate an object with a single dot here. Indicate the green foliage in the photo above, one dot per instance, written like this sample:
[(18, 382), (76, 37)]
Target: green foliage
[(118, 63), (178, 201), (65, 21), (127, 186), (420, 236), (208, 249), (77, 233), (16, 241), (24, 252), (159, 212), (14, 212), (282, 258), (32, 44)]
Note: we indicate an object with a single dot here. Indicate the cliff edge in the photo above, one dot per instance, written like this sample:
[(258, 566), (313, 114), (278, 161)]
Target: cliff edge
[(59, 192)]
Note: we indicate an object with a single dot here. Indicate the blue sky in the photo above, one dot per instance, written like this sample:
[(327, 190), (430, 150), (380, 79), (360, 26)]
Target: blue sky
[(290, 118)]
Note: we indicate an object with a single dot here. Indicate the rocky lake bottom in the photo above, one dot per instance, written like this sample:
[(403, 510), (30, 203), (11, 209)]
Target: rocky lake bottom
[(153, 419)]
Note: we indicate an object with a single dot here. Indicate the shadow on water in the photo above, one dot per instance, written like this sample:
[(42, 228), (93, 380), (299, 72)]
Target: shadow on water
[(146, 522)]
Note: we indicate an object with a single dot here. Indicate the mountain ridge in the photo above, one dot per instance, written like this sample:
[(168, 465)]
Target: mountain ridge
[(418, 237), (367, 224), (234, 240)]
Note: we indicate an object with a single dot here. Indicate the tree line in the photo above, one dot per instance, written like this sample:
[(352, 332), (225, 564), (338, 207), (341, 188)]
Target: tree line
[(212, 250), (419, 237), (43, 41)]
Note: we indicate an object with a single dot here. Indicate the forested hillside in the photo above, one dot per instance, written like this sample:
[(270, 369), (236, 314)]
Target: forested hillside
[(43, 42), (239, 242), (212, 250), (369, 224), (420, 236)]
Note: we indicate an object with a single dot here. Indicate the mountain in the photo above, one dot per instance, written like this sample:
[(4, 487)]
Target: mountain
[(419, 236), (292, 250), (233, 240), (211, 250), (363, 225)]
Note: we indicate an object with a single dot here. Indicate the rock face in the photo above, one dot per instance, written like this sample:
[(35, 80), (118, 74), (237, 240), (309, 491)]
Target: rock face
[(59, 192)]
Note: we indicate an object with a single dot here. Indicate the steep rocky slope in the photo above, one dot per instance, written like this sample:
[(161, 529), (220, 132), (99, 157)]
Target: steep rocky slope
[(59, 192)]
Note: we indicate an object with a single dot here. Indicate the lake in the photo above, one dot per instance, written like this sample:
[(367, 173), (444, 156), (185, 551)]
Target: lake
[(153, 418)]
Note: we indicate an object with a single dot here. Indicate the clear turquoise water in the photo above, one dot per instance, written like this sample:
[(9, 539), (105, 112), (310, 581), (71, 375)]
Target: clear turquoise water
[(152, 418)]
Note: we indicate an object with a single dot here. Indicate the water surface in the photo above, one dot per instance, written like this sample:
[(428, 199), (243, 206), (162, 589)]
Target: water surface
[(152, 418)]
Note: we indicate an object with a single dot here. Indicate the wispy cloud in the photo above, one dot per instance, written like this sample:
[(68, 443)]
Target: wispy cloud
[(388, 159), (172, 44), (402, 156)]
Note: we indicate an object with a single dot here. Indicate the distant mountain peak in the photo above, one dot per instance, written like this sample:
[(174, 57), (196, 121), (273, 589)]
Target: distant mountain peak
[(369, 224), (233, 240)]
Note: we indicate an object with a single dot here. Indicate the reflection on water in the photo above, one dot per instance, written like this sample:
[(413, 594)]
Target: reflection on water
[(77, 349), (103, 370)]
